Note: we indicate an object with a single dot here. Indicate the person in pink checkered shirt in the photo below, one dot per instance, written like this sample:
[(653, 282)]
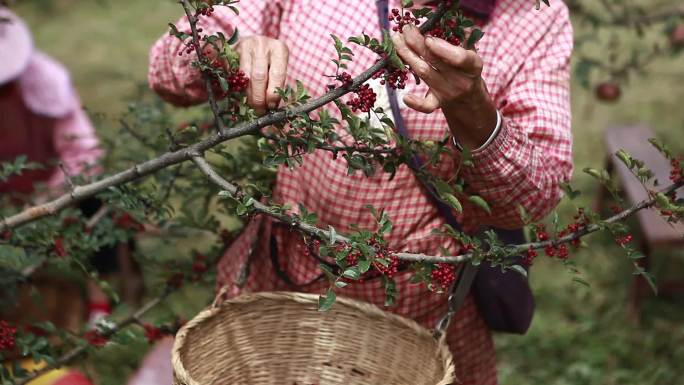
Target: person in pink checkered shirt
[(508, 100)]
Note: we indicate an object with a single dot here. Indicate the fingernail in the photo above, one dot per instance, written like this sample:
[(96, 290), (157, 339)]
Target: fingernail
[(271, 106)]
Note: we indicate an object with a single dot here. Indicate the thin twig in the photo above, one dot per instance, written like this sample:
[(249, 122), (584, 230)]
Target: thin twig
[(214, 177)]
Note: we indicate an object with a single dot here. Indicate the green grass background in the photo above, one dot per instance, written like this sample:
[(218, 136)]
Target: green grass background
[(581, 335)]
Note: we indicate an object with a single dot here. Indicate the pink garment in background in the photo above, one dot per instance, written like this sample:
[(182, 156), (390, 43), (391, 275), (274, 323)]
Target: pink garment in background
[(156, 368), (41, 117)]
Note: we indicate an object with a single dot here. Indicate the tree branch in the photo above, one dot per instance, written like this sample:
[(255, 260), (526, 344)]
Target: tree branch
[(214, 177), (174, 157)]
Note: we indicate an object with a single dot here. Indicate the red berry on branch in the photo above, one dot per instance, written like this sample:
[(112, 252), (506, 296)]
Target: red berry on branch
[(95, 338), (364, 100), (153, 333), (529, 256), (608, 91), (6, 235), (127, 222), (443, 275), (8, 336)]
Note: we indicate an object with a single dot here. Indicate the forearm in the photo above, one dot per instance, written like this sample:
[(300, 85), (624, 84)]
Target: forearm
[(473, 120)]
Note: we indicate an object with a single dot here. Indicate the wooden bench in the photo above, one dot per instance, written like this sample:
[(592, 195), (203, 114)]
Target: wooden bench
[(655, 233)]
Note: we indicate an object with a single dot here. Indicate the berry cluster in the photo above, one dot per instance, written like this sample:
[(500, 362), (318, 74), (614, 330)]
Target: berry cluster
[(394, 77), (443, 275), (153, 333), (188, 49), (364, 100), (237, 80), (561, 251), (7, 336), (345, 78), (384, 253), (530, 255), (95, 338), (622, 241), (206, 11), (677, 172), (445, 32), (401, 20)]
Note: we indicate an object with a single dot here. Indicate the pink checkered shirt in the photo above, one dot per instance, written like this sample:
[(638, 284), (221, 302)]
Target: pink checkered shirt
[(526, 54)]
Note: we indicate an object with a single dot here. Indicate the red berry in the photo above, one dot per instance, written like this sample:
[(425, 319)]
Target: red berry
[(608, 91), (529, 257), (95, 338), (152, 333), (127, 222), (7, 336), (443, 275), (364, 100)]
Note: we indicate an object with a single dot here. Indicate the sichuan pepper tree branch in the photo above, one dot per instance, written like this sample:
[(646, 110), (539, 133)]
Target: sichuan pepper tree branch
[(314, 231), (174, 157)]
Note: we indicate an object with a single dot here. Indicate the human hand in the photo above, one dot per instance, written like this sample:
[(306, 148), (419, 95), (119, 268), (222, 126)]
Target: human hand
[(453, 75), (264, 61)]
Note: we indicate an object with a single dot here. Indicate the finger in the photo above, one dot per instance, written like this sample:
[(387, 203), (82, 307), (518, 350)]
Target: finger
[(277, 73), (469, 62), (245, 65), (419, 66), (258, 80), (426, 105), (416, 42)]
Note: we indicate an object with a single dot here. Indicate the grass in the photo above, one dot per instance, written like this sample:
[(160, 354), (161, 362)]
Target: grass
[(580, 334)]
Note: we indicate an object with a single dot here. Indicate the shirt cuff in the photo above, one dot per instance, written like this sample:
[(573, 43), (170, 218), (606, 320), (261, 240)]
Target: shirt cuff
[(489, 140)]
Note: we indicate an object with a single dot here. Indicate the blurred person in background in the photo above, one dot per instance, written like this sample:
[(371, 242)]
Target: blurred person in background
[(41, 118)]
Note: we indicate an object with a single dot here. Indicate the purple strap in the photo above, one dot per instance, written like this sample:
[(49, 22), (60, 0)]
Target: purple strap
[(467, 273)]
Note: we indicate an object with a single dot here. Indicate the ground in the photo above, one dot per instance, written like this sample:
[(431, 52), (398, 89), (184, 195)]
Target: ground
[(580, 334)]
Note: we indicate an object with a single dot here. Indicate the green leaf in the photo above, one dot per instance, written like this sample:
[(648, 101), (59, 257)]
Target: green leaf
[(481, 203), (233, 38), (333, 235), (452, 201), (364, 265), (625, 158), (474, 37), (352, 273), (407, 3), (519, 269), (327, 301)]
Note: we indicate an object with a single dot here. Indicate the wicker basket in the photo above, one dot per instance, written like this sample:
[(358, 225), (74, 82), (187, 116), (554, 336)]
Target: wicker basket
[(280, 338)]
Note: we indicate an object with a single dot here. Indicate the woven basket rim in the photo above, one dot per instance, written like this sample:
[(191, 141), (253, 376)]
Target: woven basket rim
[(305, 298)]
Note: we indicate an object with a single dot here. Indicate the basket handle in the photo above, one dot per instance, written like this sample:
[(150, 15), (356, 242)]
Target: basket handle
[(220, 296), (457, 295)]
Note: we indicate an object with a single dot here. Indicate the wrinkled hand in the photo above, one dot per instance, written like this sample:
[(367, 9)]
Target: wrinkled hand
[(264, 61), (453, 75)]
